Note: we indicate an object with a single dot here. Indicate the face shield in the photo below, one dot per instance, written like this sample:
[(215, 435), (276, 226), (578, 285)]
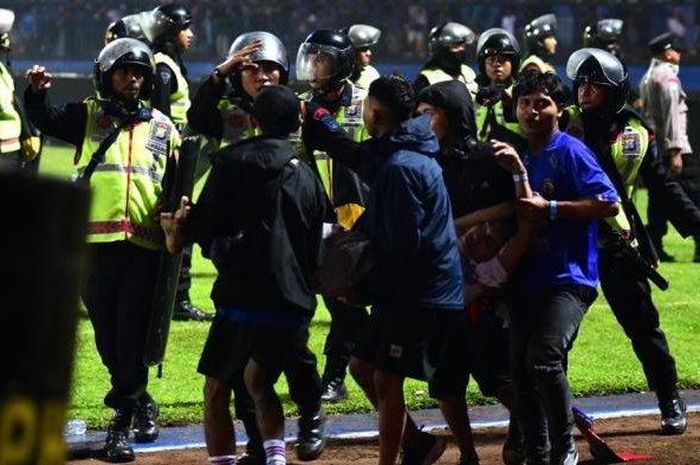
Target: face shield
[(316, 63)]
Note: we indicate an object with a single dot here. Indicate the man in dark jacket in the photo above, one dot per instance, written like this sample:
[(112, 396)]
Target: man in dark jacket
[(259, 219), (415, 285)]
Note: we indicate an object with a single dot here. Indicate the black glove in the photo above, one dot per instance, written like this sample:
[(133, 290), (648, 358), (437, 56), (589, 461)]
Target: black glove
[(488, 95)]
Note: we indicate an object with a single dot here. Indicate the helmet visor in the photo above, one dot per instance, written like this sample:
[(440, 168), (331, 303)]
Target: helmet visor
[(608, 71), (316, 62)]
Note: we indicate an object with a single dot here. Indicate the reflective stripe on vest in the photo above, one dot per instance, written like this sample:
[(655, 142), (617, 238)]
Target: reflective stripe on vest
[(10, 125), (126, 186), (180, 99), (466, 76), (539, 63)]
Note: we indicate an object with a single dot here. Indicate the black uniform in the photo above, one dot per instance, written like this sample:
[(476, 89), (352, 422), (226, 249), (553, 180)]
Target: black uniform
[(626, 289)]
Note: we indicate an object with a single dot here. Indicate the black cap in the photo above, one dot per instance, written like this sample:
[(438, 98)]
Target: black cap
[(277, 110), (665, 41)]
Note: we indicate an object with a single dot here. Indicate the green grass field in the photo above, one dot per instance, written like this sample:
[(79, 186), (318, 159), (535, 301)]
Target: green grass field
[(602, 361)]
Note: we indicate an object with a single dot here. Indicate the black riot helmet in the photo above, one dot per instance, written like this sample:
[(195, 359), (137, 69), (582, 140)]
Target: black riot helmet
[(603, 68), (497, 41), (363, 35), (605, 34), (443, 38), (536, 31), (166, 23), (120, 53), (326, 54), (271, 50), (130, 26)]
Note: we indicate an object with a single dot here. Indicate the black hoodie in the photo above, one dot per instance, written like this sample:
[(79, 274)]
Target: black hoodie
[(473, 181), (259, 219)]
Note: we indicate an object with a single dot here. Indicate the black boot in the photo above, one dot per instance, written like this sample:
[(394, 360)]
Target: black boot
[(185, 310), (118, 445), (696, 256), (333, 380), (312, 437), (673, 419), (146, 420)]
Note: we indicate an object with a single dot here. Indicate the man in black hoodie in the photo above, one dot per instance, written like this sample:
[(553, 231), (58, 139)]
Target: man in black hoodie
[(480, 191), (259, 219)]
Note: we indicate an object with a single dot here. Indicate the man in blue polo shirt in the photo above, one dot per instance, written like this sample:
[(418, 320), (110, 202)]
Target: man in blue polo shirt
[(556, 282)]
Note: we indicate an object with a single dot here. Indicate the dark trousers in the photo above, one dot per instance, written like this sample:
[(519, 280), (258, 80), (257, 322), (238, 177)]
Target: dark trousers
[(118, 297), (689, 179), (346, 323), (629, 295), (543, 329)]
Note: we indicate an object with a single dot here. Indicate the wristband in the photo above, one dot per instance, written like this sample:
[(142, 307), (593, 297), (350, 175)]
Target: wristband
[(552, 210), (520, 177)]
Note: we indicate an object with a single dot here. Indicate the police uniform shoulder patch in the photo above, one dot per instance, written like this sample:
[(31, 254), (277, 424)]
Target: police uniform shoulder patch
[(631, 141)]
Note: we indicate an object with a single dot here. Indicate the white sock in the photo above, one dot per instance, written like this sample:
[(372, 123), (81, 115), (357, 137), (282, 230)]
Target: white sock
[(223, 460), (275, 452)]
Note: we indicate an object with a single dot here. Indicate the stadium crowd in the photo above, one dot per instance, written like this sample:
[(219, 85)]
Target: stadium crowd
[(77, 26)]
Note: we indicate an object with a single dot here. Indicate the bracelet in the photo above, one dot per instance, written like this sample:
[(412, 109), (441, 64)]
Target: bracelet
[(552, 210), (520, 177)]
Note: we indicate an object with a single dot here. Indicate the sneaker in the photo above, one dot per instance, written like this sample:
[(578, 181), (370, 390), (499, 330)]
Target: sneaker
[(334, 391), (312, 437), (118, 448), (251, 459), (426, 451), (185, 310), (673, 419), (146, 421)]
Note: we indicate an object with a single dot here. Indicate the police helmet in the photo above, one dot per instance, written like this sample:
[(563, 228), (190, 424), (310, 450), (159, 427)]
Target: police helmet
[(497, 41), (122, 52), (129, 26), (7, 19), (271, 50), (444, 36), (537, 30), (599, 67), (333, 45), (363, 35), (167, 21), (603, 34)]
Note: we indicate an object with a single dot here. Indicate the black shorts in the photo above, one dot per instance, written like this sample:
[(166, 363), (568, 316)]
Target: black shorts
[(414, 343), (230, 344), (481, 352)]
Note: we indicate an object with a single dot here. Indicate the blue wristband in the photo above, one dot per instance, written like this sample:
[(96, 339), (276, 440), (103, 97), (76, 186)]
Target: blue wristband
[(552, 210)]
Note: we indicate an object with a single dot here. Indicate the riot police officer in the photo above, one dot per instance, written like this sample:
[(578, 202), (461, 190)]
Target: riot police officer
[(169, 28), (123, 148), (663, 102), (605, 34), (326, 60), (540, 40), (18, 144), (448, 44), (363, 37), (600, 90), (498, 55)]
